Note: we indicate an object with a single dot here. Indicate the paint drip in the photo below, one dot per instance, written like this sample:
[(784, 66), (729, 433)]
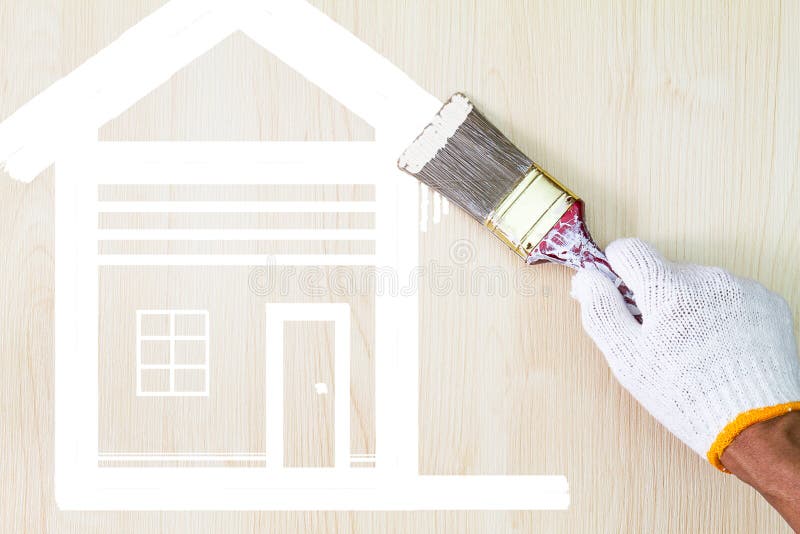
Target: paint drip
[(570, 243)]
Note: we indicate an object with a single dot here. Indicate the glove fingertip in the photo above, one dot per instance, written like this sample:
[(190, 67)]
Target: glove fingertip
[(587, 283), (603, 309)]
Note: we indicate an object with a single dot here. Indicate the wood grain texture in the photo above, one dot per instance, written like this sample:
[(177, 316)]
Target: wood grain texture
[(678, 122)]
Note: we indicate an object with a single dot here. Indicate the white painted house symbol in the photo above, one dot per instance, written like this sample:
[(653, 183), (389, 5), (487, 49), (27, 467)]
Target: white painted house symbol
[(145, 339)]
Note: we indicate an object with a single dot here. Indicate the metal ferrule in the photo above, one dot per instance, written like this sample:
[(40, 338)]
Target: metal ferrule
[(532, 208)]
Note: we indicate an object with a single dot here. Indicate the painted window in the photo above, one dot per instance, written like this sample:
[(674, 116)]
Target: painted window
[(172, 353)]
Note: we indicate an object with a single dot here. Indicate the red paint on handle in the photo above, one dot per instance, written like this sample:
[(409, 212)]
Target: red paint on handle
[(569, 243)]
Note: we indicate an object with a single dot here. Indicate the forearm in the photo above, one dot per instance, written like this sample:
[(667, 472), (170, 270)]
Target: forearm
[(767, 456)]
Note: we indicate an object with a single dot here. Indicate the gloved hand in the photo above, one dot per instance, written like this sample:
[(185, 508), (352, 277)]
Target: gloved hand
[(714, 354)]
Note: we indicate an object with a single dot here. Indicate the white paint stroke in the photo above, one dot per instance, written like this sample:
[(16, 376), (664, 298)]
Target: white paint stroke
[(60, 125), (423, 207), (236, 234), (436, 135), (242, 206), (148, 54), (237, 259), (437, 207)]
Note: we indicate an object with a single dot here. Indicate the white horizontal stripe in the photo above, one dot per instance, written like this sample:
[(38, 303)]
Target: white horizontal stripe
[(176, 311), (151, 457), (238, 163), (172, 366), (275, 175), (229, 154), (187, 454), (172, 394), (176, 338), (236, 207), (178, 458), (237, 259), (235, 234)]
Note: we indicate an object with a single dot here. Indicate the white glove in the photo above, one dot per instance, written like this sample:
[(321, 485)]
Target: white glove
[(714, 354)]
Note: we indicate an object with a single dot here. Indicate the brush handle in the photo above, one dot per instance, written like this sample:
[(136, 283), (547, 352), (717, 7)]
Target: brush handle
[(570, 243)]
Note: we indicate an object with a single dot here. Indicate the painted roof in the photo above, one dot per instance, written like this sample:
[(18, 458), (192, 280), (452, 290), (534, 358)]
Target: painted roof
[(151, 52)]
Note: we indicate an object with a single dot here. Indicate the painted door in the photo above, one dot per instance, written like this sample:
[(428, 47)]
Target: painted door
[(308, 385)]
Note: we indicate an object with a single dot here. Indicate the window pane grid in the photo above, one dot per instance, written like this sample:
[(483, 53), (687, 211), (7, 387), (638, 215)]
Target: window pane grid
[(171, 338)]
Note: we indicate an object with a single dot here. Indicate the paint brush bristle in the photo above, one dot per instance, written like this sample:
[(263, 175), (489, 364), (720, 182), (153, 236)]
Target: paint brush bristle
[(465, 158)]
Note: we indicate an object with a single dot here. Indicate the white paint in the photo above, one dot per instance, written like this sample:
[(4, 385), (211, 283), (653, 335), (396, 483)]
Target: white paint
[(241, 206), (209, 457), (437, 207), (431, 211), (237, 259), (60, 125), (319, 489), (237, 234), (435, 136), (424, 201), (172, 367), (321, 388)]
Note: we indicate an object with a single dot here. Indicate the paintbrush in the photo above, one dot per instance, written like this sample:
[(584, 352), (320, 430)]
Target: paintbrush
[(468, 161)]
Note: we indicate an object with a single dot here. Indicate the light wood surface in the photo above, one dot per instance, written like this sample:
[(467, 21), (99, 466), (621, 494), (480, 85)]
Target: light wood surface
[(678, 122)]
